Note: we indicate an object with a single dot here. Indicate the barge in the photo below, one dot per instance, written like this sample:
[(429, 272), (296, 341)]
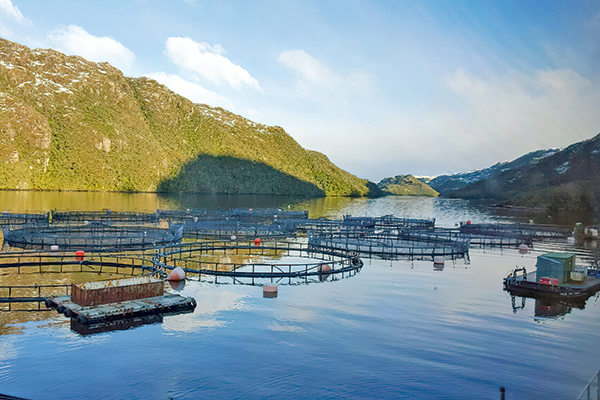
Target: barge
[(119, 299), (557, 280), (516, 283)]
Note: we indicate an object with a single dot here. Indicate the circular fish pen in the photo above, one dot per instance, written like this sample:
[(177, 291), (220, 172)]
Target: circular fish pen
[(259, 263), (253, 215), (92, 237), (23, 271), (107, 215), (223, 230), (411, 244)]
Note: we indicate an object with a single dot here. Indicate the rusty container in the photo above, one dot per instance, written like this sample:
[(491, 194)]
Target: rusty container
[(116, 290)]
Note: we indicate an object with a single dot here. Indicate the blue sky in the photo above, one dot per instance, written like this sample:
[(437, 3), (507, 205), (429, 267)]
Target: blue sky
[(381, 87)]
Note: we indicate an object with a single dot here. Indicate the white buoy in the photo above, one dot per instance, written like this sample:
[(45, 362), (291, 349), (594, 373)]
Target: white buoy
[(233, 237), (438, 261), (269, 291), (177, 274), (54, 250), (523, 248)]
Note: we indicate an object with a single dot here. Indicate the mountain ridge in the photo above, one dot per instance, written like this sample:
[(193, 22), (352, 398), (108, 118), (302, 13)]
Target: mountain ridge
[(448, 183), (71, 124), (567, 180)]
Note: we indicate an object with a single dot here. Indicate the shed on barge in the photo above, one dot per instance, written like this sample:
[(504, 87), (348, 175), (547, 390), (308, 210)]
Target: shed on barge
[(116, 290), (556, 265)]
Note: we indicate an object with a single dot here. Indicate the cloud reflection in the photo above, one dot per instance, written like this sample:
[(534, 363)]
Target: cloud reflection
[(211, 300)]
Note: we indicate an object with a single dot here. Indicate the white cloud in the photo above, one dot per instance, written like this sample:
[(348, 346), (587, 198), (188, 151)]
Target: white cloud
[(75, 40), (191, 91), (208, 61), (311, 69), (550, 108), (11, 11)]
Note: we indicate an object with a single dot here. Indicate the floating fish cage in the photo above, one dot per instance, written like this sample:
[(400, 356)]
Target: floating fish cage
[(10, 221), (92, 237), (366, 224), (249, 215), (520, 233), (107, 215), (412, 244), (388, 222), (238, 230), (213, 260)]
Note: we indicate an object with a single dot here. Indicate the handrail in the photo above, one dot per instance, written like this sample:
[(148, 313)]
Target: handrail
[(587, 389)]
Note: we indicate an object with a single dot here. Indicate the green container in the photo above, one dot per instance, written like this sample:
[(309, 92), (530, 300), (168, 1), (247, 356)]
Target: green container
[(555, 265)]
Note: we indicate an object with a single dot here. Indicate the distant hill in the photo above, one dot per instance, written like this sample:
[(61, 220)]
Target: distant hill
[(406, 185), (445, 184), (70, 124), (566, 180)]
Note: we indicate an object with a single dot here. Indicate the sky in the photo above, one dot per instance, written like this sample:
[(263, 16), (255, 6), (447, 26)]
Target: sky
[(381, 87)]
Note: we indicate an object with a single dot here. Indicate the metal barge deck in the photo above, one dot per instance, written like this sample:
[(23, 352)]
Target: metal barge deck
[(166, 304)]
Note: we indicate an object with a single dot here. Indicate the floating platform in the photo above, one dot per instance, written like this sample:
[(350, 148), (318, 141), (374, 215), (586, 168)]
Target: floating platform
[(166, 304), (572, 292)]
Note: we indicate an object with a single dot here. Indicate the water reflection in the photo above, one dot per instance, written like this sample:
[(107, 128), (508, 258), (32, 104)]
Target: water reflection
[(43, 201), (116, 325), (212, 302), (184, 201), (549, 309), (546, 308)]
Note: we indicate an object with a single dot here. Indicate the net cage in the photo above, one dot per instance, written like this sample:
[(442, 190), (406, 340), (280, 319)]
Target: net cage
[(365, 224), (93, 237), (106, 216), (280, 262), (249, 215), (511, 233), (389, 244), (226, 229), (9, 221)]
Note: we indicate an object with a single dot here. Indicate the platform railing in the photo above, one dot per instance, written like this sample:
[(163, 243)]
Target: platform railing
[(592, 389)]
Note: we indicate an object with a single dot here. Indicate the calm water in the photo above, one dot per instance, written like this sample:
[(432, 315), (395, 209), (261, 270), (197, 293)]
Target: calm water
[(398, 329)]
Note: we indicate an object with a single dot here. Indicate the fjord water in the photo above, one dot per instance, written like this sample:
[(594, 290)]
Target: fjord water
[(398, 329)]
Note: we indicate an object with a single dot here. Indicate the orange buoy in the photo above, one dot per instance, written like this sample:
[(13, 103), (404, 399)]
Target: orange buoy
[(79, 255), (324, 272), (177, 274), (257, 242), (324, 268)]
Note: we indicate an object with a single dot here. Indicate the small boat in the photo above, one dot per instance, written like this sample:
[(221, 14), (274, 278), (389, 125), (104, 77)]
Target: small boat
[(516, 283)]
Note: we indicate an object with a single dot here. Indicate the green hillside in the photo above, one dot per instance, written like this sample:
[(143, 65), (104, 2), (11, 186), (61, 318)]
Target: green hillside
[(406, 185), (70, 124)]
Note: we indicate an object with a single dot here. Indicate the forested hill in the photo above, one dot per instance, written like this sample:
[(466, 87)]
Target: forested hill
[(406, 185), (71, 124)]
